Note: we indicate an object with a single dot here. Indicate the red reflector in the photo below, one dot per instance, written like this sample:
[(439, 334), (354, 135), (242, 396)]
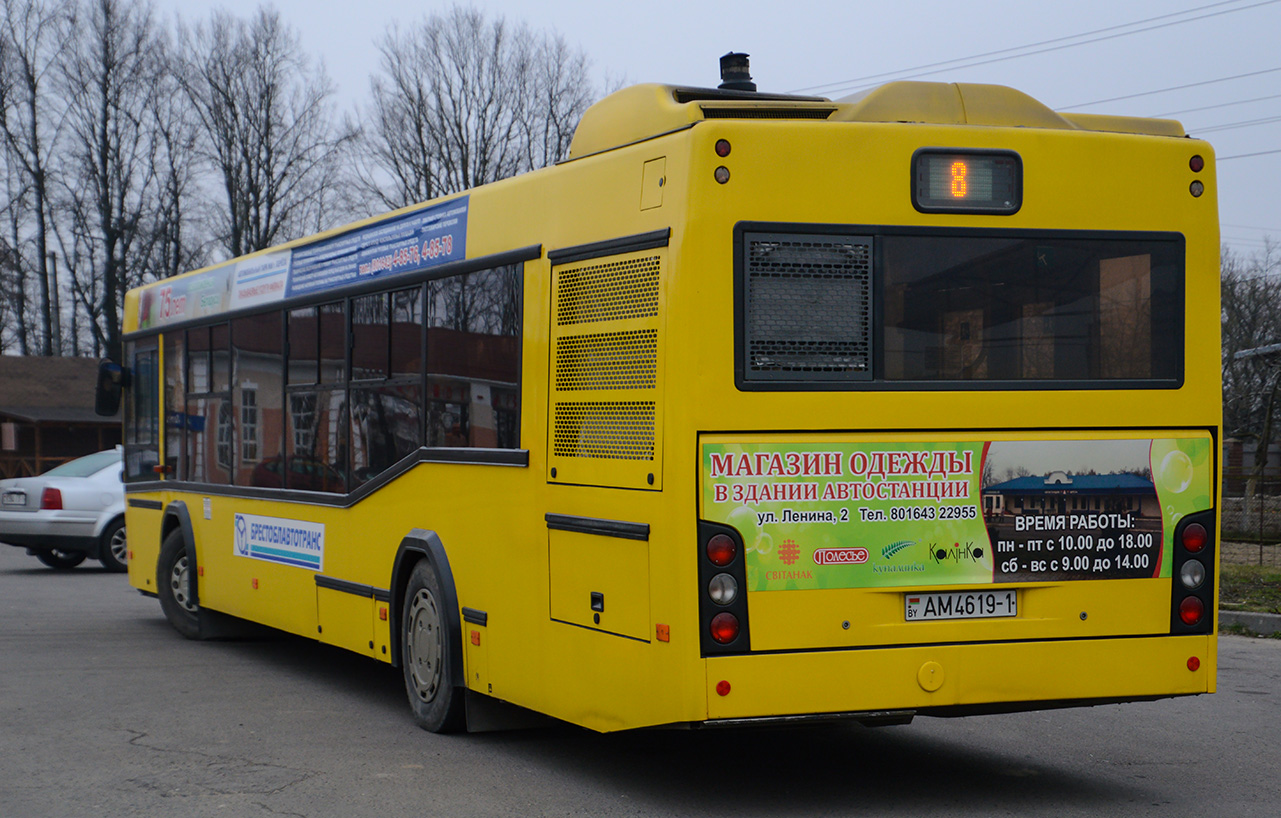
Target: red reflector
[(663, 632), (1194, 663), (1196, 163), (51, 498), (722, 147), (475, 637), (1194, 537), (721, 550), (1191, 610), (722, 688), (724, 628)]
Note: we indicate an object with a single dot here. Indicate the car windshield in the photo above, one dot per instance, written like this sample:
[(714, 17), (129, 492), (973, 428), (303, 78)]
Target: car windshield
[(85, 466)]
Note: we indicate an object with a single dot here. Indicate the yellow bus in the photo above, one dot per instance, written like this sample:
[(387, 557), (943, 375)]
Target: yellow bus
[(757, 407)]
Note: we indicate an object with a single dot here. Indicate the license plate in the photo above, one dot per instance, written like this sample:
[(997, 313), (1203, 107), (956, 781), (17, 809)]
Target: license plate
[(960, 605), (14, 498)]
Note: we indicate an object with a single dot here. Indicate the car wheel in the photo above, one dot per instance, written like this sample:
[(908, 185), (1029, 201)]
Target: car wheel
[(426, 642), (113, 550), (176, 585), (62, 560)]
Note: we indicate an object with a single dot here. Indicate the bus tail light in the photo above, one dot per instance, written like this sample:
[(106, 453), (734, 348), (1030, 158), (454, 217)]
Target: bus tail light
[(722, 584), (1193, 537), (1192, 574), (724, 628), (721, 550), (1192, 586), (1191, 610), (51, 499), (723, 589)]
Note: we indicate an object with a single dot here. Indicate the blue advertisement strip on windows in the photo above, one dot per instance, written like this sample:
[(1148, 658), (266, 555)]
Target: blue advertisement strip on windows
[(415, 241)]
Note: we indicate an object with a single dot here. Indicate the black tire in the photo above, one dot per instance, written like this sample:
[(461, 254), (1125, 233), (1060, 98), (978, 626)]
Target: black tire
[(61, 560), (176, 585), (113, 548), (426, 659)]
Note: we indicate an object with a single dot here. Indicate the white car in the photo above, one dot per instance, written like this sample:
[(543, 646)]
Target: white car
[(69, 513)]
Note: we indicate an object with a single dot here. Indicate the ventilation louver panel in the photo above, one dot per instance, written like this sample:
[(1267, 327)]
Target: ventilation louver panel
[(606, 373), (607, 360), (611, 291), (808, 308), (621, 430)]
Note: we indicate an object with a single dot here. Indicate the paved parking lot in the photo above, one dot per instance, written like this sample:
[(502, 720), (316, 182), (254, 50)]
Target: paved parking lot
[(107, 712)]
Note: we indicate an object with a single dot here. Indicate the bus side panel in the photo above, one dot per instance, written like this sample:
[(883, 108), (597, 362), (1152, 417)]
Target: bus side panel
[(143, 529)]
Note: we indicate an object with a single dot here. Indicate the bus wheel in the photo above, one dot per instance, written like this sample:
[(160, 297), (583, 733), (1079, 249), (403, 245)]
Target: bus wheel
[(426, 644), (62, 560), (114, 548), (175, 579)]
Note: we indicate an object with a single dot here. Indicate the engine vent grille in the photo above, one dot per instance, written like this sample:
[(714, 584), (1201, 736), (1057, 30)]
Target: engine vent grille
[(607, 360), (807, 302), (608, 292), (767, 113), (617, 430)]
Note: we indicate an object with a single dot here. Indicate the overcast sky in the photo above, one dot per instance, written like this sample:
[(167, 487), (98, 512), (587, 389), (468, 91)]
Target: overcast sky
[(1149, 51)]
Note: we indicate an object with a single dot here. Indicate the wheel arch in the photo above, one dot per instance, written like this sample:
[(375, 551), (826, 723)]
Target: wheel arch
[(421, 544), (178, 517)]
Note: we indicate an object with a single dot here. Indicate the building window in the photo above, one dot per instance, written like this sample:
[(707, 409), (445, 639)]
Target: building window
[(248, 425), (224, 435), (302, 411)]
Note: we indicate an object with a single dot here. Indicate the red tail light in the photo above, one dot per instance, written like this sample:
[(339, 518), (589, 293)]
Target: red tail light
[(721, 550), (724, 628), (1194, 537), (1191, 610), (51, 498)]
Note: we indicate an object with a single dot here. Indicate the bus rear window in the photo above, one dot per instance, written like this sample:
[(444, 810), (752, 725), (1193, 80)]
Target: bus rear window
[(1031, 309), (999, 310)]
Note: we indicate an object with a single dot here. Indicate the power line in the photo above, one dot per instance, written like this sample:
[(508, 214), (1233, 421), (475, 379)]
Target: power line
[(1233, 125), (979, 59), (1246, 155), (1213, 107), (871, 77), (1249, 227), (1171, 88)]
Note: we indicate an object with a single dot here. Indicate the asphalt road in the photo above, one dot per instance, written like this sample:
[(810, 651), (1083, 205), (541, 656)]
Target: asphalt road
[(105, 711)]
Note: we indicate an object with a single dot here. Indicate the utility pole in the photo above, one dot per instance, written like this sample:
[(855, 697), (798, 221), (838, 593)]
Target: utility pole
[(55, 317)]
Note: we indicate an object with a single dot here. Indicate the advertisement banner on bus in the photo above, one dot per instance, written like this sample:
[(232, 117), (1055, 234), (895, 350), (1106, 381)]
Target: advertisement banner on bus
[(818, 514), (276, 539), (408, 243)]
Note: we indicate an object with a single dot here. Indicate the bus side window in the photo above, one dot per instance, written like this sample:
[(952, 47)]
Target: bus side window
[(142, 411), (474, 339)]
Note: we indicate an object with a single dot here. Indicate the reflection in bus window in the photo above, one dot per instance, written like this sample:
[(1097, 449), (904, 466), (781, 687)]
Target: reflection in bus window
[(259, 376), (473, 359), (1068, 309)]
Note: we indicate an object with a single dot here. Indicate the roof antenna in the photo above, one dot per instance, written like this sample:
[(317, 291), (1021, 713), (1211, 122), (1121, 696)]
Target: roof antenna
[(734, 73)]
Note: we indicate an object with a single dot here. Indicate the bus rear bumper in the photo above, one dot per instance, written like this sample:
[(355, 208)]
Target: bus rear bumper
[(959, 679)]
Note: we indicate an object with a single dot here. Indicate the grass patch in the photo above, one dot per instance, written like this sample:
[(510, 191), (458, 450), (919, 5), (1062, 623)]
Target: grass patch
[(1254, 588)]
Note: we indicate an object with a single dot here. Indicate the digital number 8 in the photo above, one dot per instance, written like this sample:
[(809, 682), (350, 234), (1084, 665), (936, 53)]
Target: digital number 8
[(960, 186)]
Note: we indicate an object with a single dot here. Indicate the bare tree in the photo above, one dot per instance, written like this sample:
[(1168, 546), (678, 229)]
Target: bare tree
[(1251, 294), (267, 125), (34, 35), (463, 101), (177, 241), (110, 79)]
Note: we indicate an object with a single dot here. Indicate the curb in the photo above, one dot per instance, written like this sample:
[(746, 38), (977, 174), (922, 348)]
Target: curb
[(1263, 624)]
